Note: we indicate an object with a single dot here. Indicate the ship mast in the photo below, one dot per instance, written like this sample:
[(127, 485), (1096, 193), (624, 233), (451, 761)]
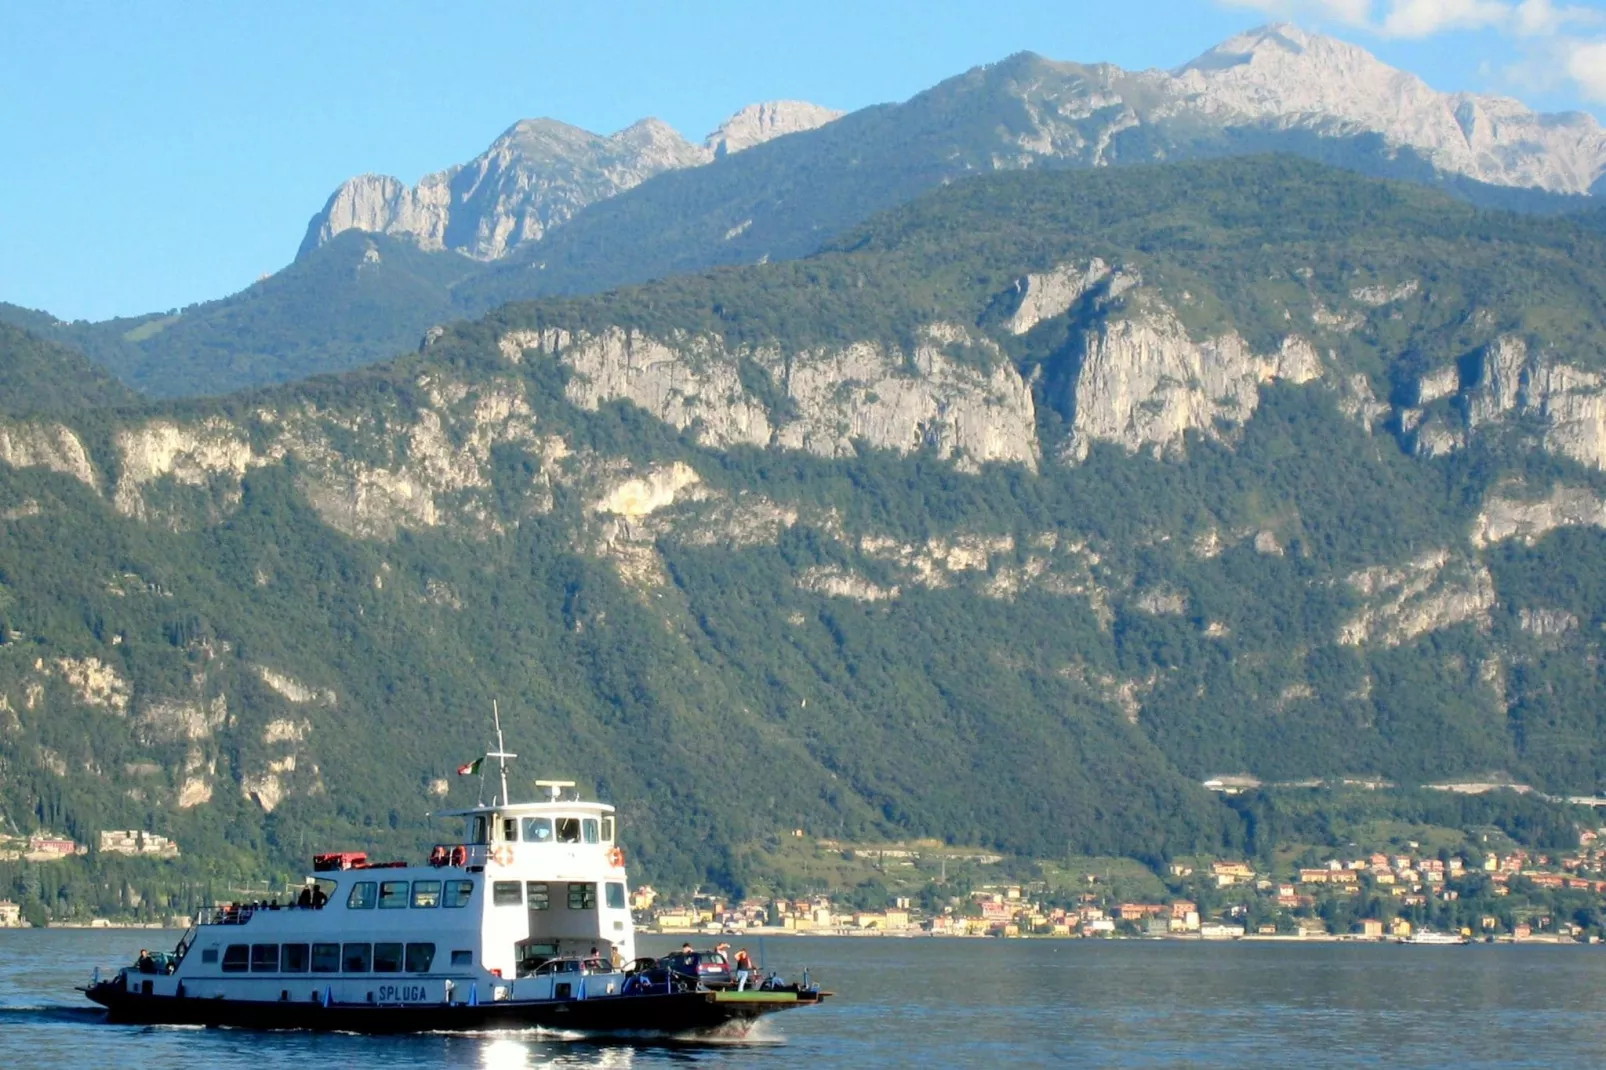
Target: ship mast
[(500, 753)]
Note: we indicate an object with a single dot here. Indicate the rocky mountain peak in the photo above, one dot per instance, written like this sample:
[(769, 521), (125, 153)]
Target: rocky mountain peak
[(1287, 77), (758, 123), (536, 175)]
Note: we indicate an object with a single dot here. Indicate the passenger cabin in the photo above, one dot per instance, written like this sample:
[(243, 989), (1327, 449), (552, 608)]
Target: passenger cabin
[(555, 880), (528, 883)]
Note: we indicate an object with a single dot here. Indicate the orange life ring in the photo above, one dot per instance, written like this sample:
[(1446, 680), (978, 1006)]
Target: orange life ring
[(459, 855), (503, 855), (616, 857)]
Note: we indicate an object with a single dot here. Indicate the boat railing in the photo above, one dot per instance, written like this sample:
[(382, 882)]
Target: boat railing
[(471, 855), (226, 914)]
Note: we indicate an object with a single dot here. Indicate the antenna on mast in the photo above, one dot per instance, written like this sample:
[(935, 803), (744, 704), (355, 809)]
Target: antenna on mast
[(500, 753)]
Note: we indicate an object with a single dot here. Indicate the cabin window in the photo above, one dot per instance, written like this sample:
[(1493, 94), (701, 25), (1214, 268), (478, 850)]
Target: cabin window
[(426, 894), (590, 824), (325, 958), (463, 958), (237, 958), (420, 957), (507, 894), (582, 895), (392, 895), (354, 958), (607, 830), (457, 893), (387, 958), (264, 958), (478, 830), (540, 896), (293, 958), (361, 897), (209, 955), (616, 895), (538, 830)]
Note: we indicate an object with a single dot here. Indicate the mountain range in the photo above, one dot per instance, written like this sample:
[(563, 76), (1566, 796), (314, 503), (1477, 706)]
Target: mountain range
[(1095, 484), (552, 210), (974, 468), (1277, 80)]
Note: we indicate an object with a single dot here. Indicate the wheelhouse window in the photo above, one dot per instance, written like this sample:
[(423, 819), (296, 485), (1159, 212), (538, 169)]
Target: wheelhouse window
[(392, 895), (354, 958), (582, 895), (537, 830), (426, 894), (507, 894), (325, 958), (479, 830), (293, 958), (420, 957), (590, 826), (607, 830), (538, 894), (510, 829), (237, 958), (387, 958), (264, 958), (568, 830), (463, 957), (457, 893), (616, 895), (361, 896)]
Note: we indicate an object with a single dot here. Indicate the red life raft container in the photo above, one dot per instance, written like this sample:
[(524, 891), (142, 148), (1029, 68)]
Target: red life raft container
[(339, 860)]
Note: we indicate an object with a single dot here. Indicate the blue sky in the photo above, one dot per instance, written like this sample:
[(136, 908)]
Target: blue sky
[(161, 154)]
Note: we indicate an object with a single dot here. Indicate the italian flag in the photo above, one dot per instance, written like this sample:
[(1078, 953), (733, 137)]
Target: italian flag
[(471, 768)]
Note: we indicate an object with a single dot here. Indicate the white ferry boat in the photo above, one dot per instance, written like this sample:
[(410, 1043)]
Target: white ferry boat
[(524, 923), (1425, 936)]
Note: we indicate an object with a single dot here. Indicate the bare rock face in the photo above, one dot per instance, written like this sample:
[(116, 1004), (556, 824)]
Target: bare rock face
[(1144, 383), (1052, 293), (1510, 379), (379, 204), (1430, 593), (1295, 79), (758, 123), (1513, 515), (1281, 78), (536, 176), (51, 446), (974, 410)]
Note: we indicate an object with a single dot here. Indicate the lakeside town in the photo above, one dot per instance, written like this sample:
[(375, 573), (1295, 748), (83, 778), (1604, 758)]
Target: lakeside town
[(928, 889), (1516, 895)]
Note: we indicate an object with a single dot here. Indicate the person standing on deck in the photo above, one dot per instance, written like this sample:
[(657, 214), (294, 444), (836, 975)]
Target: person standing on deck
[(744, 969)]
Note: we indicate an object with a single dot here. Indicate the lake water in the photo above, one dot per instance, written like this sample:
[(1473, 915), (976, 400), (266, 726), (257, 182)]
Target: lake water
[(942, 1002)]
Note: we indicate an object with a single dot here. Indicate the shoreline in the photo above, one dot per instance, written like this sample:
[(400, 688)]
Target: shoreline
[(1175, 938)]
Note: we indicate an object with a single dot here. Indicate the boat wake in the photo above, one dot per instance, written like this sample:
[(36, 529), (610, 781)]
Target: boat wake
[(49, 1012)]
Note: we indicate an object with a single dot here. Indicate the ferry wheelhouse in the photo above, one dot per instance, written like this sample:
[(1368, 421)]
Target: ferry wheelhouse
[(523, 922)]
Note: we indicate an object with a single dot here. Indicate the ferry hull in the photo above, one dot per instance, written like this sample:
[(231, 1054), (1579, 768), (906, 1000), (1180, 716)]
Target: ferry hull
[(666, 1015)]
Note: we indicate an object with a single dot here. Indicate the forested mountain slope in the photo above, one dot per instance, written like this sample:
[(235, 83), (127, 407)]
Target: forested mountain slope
[(38, 376), (1008, 519), (353, 300)]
